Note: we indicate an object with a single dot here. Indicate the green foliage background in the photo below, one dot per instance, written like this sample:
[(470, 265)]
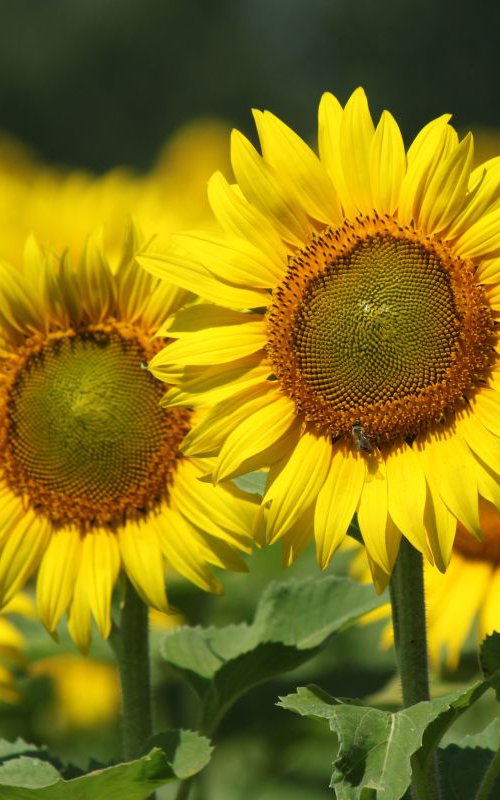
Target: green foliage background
[(99, 83)]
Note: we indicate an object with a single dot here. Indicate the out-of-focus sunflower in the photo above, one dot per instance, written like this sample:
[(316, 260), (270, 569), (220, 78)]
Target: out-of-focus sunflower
[(86, 691), (92, 481), (351, 338), (61, 206), (468, 592), (12, 645)]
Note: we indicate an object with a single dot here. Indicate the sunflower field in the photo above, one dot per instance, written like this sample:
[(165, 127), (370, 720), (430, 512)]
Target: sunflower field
[(249, 400)]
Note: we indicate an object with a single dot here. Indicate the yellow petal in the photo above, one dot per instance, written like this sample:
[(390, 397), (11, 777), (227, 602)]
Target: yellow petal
[(222, 511), (256, 433), (441, 526), (449, 469), (298, 483), (489, 610), (301, 173), (481, 239), (143, 563), (57, 575), (100, 565), (181, 269), (486, 406), (214, 345), (181, 548), (239, 218), (337, 501), (429, 147), (261, 186), (97, 285), (21, 553), (445, 193), (234, 260), (374, 521), (387, 164), (406, 495), (207, 386), (356, 136), (296, 539)]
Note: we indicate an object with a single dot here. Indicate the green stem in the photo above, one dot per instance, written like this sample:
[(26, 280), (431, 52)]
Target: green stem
[(490, 776), (408, 617), (131, 645), (184, 789)]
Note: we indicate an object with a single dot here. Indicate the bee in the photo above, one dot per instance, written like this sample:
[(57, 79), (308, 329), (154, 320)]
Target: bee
[(360, 439)]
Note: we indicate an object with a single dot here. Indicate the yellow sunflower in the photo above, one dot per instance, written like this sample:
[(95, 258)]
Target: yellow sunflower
[(350, 341), (92, 481), (467, 593)]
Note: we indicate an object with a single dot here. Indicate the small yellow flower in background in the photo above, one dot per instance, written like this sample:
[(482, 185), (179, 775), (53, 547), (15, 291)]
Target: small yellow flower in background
[(86, 691), (12, 645), (92, 481), (350, 341), (469, 590), (60, 206)]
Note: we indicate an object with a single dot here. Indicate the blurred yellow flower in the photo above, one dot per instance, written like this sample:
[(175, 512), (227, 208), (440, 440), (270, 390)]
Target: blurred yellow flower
[(12, 644), (467, 593), (61, 206), (86, 691)]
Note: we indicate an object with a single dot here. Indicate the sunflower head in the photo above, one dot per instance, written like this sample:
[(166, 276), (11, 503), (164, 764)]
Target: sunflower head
[(356, 339), (92, 479)]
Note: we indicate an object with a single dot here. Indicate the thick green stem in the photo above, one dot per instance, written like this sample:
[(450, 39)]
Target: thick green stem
[(408, 616), (184, 789), (131, 645)]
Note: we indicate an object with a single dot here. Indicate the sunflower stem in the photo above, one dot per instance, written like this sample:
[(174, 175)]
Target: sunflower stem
[(184, 789), (410, 636), (131, 645)]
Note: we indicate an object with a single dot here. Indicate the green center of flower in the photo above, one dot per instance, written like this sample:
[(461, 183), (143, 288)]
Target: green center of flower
[(379, 330), (376, 324), (88, 442)]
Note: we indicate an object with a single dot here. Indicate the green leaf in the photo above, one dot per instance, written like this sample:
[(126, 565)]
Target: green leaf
[(464, 763), (180, 755), (292, 621), (375, 747), (488, 739), (252, 482), (490, 654)]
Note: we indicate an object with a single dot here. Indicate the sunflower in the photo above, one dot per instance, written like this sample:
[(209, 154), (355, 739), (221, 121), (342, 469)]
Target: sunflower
[(452, 609), (465, 597), (92, 481), (350, 338)]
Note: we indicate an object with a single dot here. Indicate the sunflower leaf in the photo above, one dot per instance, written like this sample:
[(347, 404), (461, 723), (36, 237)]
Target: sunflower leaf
[(180, 755), (378, 749), (292, 621), (462, 770)]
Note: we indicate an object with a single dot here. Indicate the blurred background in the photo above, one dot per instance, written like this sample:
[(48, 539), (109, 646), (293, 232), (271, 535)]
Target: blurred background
[(101, 83), (112, 107)]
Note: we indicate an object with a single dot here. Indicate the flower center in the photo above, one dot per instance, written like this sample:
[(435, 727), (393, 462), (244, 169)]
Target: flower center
[(378, 328), (86, 440)]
